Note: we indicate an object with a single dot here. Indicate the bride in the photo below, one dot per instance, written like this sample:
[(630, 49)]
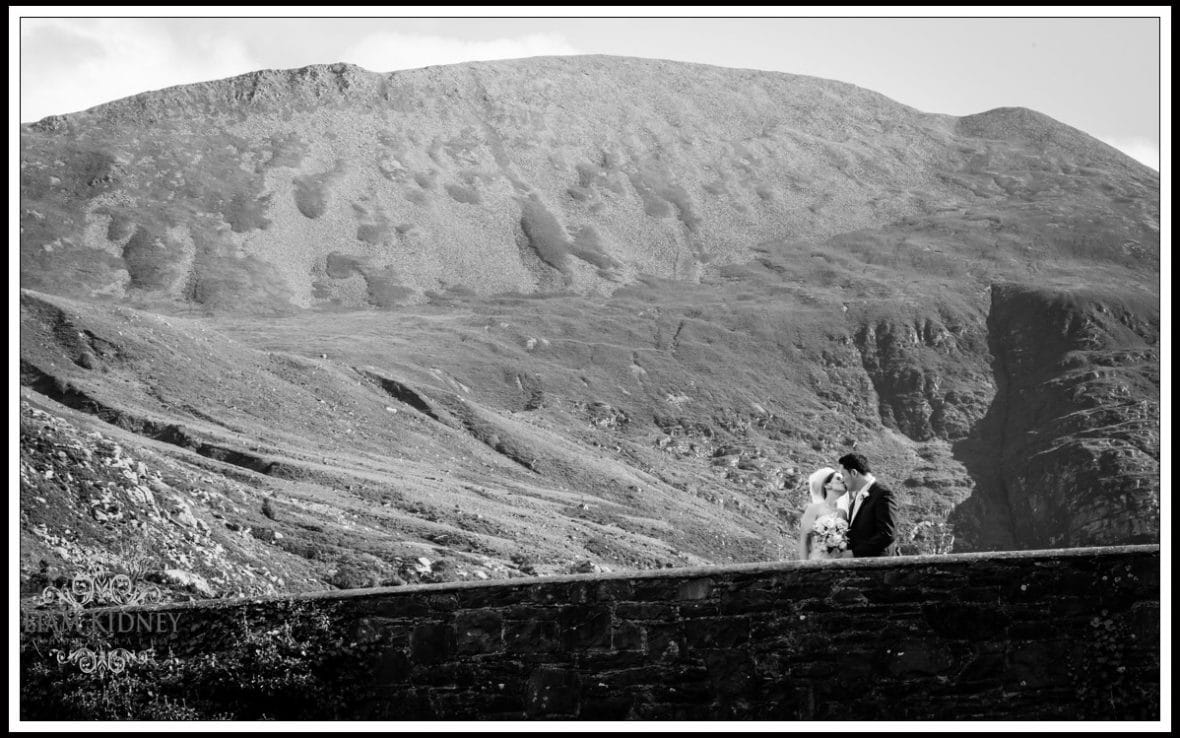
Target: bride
[(827, 486)]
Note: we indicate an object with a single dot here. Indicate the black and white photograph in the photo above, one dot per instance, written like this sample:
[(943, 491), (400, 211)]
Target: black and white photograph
[(685, 368)]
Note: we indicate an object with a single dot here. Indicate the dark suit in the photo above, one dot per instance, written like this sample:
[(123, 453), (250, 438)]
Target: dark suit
[(871, 532)]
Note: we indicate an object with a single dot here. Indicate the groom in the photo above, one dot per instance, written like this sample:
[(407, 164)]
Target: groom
[(871, 510)]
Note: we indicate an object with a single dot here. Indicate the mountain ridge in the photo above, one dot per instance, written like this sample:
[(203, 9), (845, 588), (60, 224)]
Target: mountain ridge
[(342, 76), (511, 177)]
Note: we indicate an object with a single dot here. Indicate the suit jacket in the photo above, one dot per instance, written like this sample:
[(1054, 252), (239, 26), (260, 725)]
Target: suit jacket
[(871, 532)]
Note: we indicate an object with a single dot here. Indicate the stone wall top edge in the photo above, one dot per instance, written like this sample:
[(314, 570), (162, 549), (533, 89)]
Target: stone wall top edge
[(700, 572)]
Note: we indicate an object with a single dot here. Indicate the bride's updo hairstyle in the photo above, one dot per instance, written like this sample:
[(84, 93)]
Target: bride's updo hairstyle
[(818, 480)]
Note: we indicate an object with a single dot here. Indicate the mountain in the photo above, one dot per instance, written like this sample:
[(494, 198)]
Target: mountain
[(619, 307)]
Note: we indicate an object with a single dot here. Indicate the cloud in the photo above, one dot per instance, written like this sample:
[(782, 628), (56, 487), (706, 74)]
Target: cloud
[(71, 64), (386, 52), (1142, 150)]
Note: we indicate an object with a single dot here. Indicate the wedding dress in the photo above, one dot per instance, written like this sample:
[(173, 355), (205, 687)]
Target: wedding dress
[(816, 550)]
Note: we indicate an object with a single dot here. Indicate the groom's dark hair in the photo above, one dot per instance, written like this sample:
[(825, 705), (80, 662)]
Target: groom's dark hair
[(855, 462)]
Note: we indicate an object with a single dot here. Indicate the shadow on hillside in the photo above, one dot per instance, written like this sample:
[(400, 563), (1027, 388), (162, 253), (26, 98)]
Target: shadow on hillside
[(984, 521)]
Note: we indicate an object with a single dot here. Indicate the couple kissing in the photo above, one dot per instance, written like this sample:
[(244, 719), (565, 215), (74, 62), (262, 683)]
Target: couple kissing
[(851, 513)]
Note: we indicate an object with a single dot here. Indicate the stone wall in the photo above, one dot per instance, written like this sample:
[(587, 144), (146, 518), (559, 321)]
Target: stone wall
[(1063, 634)]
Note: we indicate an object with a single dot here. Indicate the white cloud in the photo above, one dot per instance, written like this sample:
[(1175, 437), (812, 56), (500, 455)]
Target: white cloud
[(71, 64), (386, 52), (1140, 149)]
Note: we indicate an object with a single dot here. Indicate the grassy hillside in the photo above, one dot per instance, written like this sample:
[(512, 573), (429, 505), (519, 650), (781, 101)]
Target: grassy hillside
[(511, 318)]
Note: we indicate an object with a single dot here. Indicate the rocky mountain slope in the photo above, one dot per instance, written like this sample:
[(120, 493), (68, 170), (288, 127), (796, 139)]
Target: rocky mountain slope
[(338, 186), (1075, 422), (531, 316)]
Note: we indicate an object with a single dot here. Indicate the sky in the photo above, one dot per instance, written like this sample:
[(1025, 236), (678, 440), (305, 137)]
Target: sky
[(1100, 75)]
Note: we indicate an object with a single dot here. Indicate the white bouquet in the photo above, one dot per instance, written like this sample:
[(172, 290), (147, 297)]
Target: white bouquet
[(831, 532)]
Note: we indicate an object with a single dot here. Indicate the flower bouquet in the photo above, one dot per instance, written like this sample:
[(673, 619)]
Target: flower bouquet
[(831, 532)]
